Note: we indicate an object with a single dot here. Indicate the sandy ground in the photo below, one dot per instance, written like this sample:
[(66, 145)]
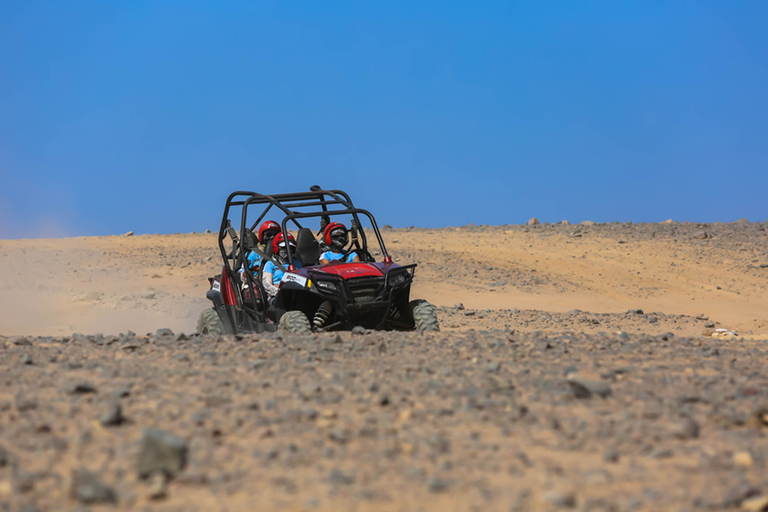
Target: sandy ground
[(142, 283), (575, 370)]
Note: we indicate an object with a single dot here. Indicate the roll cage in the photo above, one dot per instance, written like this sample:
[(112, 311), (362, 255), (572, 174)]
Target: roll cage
[(295, 207)]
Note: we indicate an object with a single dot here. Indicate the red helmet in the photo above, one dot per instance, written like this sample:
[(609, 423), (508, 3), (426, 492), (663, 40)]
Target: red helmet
[(268, 227), (333, 226), (280, 240)]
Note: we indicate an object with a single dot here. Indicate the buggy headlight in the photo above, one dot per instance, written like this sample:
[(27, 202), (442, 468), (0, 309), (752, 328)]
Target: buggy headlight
[(326, 286), (397, 279)]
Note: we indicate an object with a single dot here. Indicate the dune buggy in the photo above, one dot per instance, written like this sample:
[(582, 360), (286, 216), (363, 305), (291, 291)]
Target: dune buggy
[(372, 293)]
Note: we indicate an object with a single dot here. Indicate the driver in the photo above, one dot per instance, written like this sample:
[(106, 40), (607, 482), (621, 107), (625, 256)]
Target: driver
[(336, 237), (273, 274)]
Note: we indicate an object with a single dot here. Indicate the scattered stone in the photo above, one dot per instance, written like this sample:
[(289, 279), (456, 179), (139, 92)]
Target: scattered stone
[(688, 429), (80, 388), (161, 451), (92, 296), (25, 403), (113, 414), (742, 460), (534, 222), (438, 485), (163, 332), (700, 235), (338, 476), (88, 489), (756, 504), (147, 293), (611, 454), (358, 330), (26, 359), (560, 499), (158, 486), (5, 457), (584, 385), (710, 325), (129, 233), (21, 341)]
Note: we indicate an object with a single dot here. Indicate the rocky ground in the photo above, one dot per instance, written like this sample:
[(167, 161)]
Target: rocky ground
[(579, 368), (474, 420)]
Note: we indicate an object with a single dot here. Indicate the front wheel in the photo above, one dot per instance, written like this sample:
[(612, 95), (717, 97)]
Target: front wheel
[(424, 316), (210, 323), (294, 322)]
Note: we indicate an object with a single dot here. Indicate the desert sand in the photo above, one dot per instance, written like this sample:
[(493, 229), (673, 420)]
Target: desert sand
[(576, 368)]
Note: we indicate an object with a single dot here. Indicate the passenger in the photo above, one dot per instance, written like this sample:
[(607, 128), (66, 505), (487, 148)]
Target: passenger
[(267, 231), (273, 274), (336, 237)]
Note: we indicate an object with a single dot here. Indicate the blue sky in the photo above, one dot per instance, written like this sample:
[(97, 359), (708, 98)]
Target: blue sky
[(144, 115)]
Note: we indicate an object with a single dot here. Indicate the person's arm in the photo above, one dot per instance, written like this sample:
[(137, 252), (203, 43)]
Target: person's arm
[(266, 281)]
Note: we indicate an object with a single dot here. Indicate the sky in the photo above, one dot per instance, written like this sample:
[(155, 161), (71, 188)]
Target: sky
[(144, 115)]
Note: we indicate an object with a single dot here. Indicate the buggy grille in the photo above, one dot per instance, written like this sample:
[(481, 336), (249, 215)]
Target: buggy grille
[(366, 289)]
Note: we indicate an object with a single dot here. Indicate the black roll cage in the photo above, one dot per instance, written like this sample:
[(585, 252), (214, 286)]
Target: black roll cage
[(287, 204)]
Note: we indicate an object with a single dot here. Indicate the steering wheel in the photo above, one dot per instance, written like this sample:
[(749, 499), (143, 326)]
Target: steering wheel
[(364, 255)]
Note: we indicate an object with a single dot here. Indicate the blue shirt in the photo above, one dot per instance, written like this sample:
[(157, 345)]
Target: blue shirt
[(337, 256), (277, 272), (254, 259)]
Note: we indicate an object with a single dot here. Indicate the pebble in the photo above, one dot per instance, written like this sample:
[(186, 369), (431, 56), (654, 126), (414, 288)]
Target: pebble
[(161, 451), (438, 485), (756, 504), (158, 486), (79, 388), (687, 429), (560, 499), (742, 460), (584, 385), (113, 414), (338, 476), (88, 489)]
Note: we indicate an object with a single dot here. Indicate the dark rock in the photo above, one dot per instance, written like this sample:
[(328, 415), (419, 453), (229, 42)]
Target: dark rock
[(584, 386), (611, 454), (161, 451), (113, 414), (88, 489), (688, 429), (5, 457), (560, 499), (79, 388), (438, 485), (338, 476), (25, 403)]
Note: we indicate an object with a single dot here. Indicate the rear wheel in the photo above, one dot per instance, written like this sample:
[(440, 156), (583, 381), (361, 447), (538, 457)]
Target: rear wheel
[(209, 322), (294, 322), (424, 316)]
